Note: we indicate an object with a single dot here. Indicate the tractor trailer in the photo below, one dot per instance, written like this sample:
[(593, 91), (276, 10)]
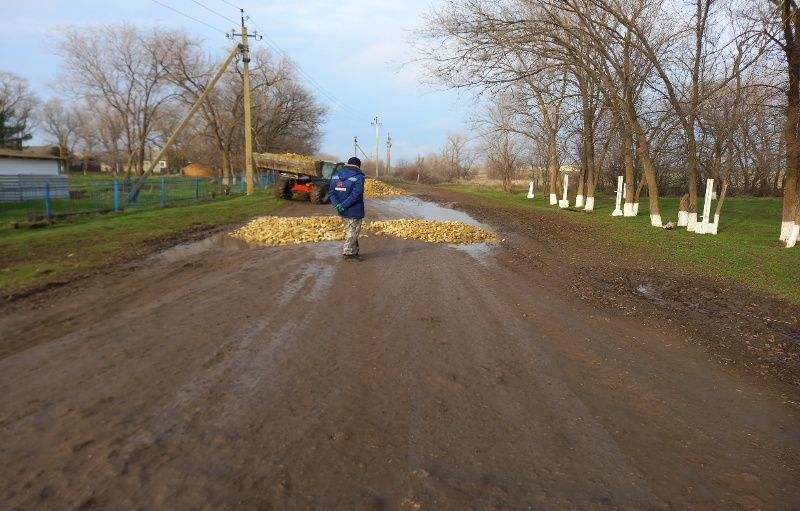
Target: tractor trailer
[(298, 173)]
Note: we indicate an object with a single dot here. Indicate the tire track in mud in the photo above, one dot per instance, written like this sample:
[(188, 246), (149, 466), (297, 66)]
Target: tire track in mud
[(513, 381), (247, 360)]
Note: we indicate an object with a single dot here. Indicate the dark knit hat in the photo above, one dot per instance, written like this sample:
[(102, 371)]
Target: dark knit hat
[(354, 161)]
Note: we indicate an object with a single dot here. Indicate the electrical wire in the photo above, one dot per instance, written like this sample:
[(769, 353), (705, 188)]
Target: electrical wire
[(352, 112), (190, 17), (342, 106), (226, 1), (213, 11)]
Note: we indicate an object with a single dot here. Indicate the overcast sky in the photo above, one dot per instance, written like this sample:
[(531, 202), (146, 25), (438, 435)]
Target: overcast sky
[(348, 52)]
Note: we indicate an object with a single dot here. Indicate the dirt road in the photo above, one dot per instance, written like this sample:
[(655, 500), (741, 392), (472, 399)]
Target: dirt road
[(426, 377)]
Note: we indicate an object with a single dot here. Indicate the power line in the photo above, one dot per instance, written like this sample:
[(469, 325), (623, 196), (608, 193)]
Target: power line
[(190, 17), (274, 46), (347, 109), (213, 11)]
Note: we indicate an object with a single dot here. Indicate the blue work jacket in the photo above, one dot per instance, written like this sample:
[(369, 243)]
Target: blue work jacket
[(347, 189)]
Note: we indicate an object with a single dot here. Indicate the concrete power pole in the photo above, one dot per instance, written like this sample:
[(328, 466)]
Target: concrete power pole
[(248, 129), (388, 154), (377, 159)]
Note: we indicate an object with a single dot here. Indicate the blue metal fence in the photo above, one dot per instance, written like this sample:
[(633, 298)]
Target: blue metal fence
[(40, 202)]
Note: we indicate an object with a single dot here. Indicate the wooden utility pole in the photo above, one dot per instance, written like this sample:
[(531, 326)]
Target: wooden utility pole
[(134, 192)]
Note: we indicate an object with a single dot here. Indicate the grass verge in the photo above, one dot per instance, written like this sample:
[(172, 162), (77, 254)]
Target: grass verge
[(746, 248), (47, 254)]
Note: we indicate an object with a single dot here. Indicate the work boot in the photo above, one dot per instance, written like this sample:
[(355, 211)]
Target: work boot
[(352, 257)]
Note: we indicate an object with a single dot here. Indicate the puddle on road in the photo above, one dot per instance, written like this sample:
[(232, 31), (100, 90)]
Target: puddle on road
[(403, 206), (400, 206), (220, 241)]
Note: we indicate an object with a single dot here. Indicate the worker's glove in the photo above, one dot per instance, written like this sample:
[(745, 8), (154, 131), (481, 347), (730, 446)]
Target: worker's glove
[(339, 208)]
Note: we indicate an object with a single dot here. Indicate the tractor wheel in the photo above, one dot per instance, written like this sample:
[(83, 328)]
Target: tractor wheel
[(320, 194), (283, 189)]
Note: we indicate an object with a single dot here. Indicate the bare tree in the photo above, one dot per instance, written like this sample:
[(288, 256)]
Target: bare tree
[(17, 103), (458, 157), (502, 142), (286, 115), (63, 123), (122, 68)]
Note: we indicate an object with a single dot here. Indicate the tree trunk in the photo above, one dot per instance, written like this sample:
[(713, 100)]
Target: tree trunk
[(683, 211), (649, 172), (630, 171), (692, 162), (791, 194), (552, 150)]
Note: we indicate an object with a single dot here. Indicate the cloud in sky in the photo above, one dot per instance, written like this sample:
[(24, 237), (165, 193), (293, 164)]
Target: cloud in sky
[(348, 52)]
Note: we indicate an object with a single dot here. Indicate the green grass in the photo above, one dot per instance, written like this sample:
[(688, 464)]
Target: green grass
[(51, 252), (745, 249)]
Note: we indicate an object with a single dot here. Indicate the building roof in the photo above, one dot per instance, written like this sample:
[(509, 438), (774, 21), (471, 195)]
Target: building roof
[(11, 153)]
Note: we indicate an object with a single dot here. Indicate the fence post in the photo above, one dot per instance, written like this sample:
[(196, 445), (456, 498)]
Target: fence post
[(116, 195), (196, 188), (163, 194), (243, 185), (47, 207)]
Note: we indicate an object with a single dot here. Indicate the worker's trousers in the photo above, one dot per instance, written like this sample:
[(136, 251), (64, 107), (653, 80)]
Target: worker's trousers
[(352, 228)]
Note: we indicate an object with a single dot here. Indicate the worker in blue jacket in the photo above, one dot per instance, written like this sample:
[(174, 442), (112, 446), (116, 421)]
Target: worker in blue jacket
[(347, 196)]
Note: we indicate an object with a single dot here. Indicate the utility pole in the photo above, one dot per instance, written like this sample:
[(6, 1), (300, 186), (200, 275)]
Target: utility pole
[(248, 130), (358, 148), (355, 145), (376, 124), (388, 154)]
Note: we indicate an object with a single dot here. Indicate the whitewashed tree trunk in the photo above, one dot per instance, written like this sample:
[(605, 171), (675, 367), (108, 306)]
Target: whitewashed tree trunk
[(692, 222), (553, 199), (589, 204), (628, 210), (564, 202), (579, 201), (793, 235), (715, 225), (786, 230)]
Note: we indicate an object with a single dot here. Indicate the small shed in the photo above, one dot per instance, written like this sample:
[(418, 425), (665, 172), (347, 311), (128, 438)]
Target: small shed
[(25, 176)]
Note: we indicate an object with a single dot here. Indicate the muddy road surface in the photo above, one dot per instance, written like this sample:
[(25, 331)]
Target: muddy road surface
[(531, 375)]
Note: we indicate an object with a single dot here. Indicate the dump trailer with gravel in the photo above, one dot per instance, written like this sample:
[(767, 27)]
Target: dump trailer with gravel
[(298, 173)]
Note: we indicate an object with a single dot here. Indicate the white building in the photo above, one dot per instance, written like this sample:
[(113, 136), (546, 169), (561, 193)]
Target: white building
[(25, 176)]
